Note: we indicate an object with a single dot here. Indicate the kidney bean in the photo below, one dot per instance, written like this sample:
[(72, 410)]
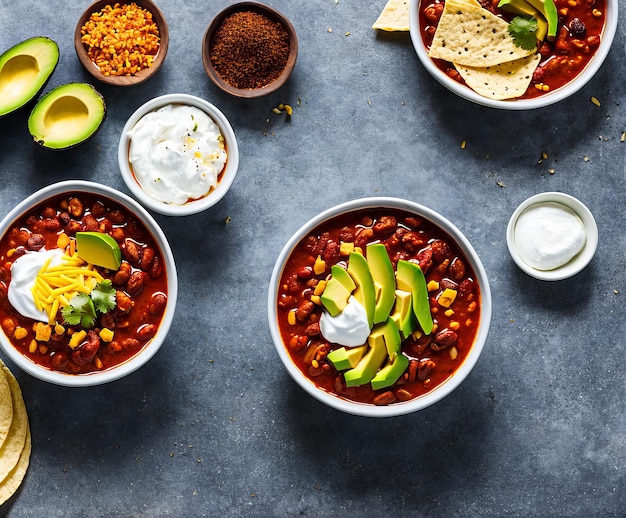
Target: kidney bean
[(135, 283), (312, 329), (424, 368), (118, 234), (157, 304), (346, 235), (466, 288), (86, 351), (425, 258), (320, 244), (35, 242), (444, 339), (72, 227), (116, 216), (156, 271), (146, 331), (131, 251), (122, 275), (75, 208), (402, 394), (59, 360), (304, 272), (448, 284), (433, 12), (385, 225), (331, 252), (363, 237), (412, 370), (90, 224), (52, 224), (386, 398), (98, 209), (593, 41), (107, 320), (457, 269), (146, 258), (304, 310), (130, 343), (441, 250), (64, 217), (48, 212)]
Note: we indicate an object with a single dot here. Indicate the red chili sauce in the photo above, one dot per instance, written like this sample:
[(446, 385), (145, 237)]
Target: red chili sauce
[(577, 40), (432, 358), (140, 284)]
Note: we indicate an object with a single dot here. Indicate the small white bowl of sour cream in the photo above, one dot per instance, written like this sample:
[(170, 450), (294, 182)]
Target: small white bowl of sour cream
[(178, 154), (552, 236)]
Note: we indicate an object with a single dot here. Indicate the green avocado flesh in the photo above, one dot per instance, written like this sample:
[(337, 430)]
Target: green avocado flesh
[(99, 249), (67, 116), (24, 71)]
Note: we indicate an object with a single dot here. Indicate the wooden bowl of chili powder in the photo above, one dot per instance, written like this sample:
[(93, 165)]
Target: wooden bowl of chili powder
[(107, 44), (94, 317), (249, 49), (413, 341)]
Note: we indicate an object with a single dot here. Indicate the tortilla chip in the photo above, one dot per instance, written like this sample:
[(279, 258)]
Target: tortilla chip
[(15, 442), (472, 36), (394, 16), (14, 479), (504, 81), (6, 408)]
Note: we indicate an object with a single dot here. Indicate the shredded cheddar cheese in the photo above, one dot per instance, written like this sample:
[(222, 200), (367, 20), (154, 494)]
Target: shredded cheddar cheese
[(55, 286)]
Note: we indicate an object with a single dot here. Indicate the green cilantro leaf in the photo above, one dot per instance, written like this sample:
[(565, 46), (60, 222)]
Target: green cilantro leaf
[(523, 31), (80, 311), (103, 296)]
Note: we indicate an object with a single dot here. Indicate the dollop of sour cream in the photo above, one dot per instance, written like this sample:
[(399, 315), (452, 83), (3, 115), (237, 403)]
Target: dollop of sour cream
[(350, 327), (24, 271), (549, 235), (177, 153)]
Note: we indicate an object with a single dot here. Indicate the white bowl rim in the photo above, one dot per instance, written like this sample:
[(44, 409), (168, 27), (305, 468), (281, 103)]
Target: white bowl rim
[(228, 176), (421, 402), (141, 358), (547, 99), (578, 263)]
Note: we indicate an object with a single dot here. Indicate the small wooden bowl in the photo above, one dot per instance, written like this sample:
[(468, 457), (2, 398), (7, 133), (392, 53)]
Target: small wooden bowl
[(143, 74), (271, 14)]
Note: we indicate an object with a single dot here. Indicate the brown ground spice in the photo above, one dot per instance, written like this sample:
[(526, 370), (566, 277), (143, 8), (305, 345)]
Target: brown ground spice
[(249, 50)]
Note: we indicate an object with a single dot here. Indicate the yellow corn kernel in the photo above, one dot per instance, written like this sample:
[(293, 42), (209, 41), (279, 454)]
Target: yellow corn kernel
[(315, 363), (42, 332), (32, 347), (346, 248), (43, 349), (63, 241), (320, 265), (454, 353), (454, 325), (59, 329), (596, 13), (417, 334), (20, 332), (291, 318), (433, 285), (449, 312), (106, 335), (77, 338), (319, 289), (97, 363), (572, 3), (468, 322), (316, 300), (10, 252), (447, 297), (471, 307)]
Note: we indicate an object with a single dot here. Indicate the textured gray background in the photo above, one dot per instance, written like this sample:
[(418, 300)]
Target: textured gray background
[(213, 425)]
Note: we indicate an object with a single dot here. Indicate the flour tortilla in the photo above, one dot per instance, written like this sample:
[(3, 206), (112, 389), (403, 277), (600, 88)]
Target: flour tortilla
[(15, 442), (504, 81), (473, 37), (394, 16), (6, 408), (14, 479)]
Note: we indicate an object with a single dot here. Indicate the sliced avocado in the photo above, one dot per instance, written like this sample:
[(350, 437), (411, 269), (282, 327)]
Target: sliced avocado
[(364, 293), (99, 249), (409, 277), (24, 71), (390, 373), (367, 367), (335, 296), (347, 357), (391, 334), (67, 116), (550, 13), (339, 273), (384, 280), (523, 8), (403, 314)]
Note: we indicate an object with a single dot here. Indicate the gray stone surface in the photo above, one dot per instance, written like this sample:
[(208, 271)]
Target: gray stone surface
[(213, 425)]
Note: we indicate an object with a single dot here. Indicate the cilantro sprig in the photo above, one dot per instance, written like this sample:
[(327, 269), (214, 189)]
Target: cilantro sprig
[(83, 308), (524, 32)]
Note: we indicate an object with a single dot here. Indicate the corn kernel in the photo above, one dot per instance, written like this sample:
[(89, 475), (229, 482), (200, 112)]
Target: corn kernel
[(32, 347), (320, 265), (316, 300), (319, 289), (433, 285), (106, 335), (454, 325), (449, 312), (346, 248), (291, 317), (447, 297), (596, 13), (77, 338), (454, 353), (20, 332), (42, 332), (468, 322)]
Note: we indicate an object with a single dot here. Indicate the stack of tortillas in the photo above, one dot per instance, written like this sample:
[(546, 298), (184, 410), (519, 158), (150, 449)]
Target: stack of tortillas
[(15, 442)]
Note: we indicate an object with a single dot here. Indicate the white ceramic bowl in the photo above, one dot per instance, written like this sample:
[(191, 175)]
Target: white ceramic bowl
[(228, 175), (151, 348), (420, 402), (580, 261), (515, 104)]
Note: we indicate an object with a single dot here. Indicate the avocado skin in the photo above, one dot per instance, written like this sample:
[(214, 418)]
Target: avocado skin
[(41, 79), (39, 111)]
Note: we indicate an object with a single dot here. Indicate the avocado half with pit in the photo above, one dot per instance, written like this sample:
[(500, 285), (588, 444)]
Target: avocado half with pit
[(67, 116), (24, 72)]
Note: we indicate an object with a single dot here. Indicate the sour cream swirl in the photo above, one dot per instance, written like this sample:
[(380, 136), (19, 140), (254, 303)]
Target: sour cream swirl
[(177, 153), (350, 327)]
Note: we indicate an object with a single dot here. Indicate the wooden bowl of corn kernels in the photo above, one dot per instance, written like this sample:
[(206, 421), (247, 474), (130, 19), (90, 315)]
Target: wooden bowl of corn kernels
[(107, 44)]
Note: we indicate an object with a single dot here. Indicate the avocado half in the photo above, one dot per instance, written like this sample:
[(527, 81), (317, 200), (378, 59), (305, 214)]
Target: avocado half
[(67, 116), (25, 70)]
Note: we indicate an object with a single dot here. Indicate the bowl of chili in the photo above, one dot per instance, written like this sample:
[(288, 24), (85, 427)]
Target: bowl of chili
[(121, 43), (187, 164), (64, 317), (249, 49), (434, 330), (557, 65)]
